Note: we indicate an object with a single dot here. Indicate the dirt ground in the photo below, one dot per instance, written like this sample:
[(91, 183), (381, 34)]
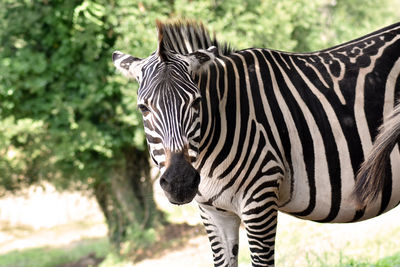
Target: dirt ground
[(194, 252), (298, 241)]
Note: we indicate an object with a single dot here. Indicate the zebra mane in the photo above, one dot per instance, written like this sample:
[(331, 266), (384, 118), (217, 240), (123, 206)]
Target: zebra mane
[(187, 36)]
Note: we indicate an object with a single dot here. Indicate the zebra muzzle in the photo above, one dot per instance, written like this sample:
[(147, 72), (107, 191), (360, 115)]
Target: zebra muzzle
[(180, 180)]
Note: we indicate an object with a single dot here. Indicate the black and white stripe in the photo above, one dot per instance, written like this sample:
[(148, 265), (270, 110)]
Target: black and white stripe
[(274, 130)]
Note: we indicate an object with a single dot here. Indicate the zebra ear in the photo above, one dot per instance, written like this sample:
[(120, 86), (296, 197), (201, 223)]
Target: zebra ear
[(200, 59), (129, 66), (161, 49)]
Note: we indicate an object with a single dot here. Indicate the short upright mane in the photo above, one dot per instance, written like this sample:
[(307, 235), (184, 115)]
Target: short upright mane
[(184, 37)]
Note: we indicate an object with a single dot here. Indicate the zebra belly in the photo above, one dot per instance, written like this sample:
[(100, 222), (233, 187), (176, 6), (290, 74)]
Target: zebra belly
[(340, 208)]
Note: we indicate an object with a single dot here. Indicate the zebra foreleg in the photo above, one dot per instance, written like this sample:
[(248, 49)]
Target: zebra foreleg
[(223, 232), (260, 222)]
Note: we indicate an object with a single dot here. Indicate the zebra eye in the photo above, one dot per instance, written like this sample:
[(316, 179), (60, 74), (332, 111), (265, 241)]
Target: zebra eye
[(145, 110), (196, 104)]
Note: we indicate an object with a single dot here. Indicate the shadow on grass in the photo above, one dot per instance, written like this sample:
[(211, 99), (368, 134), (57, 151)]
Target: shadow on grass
[(49, 256), (91, 252)]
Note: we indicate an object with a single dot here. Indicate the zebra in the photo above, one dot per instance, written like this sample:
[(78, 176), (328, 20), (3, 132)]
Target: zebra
[(248, 133)]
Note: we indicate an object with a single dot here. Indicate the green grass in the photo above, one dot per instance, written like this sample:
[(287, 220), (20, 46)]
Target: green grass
[(373, 243), (332, 259), (53, 256), (389, 261), (300, 243), (50, 257)]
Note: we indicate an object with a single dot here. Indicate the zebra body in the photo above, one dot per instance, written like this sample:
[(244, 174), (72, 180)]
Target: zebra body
[(268, 130)]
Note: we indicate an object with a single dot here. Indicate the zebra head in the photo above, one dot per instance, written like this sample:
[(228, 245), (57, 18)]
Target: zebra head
[(169, 101)]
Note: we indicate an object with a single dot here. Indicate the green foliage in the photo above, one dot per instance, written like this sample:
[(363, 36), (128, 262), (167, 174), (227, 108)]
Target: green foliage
[(56, 72), (300, 26), (14, 137), (64, 115)]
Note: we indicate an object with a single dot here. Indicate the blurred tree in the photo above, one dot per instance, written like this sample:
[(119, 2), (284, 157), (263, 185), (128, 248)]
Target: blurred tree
[(65, 116), (301, 26)]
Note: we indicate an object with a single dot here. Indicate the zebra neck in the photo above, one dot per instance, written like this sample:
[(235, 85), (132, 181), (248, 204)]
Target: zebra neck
[(229, 121)]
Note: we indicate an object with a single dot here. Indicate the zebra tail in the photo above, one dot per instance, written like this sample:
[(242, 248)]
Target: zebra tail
[(372, 174)]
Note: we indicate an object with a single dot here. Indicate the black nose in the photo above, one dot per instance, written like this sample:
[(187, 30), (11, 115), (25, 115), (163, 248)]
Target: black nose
[(180, 181)]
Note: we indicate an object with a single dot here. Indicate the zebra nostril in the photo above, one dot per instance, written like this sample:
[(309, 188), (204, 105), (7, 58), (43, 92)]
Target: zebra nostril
[(164, 183)]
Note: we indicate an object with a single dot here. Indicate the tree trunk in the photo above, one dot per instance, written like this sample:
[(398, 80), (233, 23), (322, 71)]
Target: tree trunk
[(127, 198)]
